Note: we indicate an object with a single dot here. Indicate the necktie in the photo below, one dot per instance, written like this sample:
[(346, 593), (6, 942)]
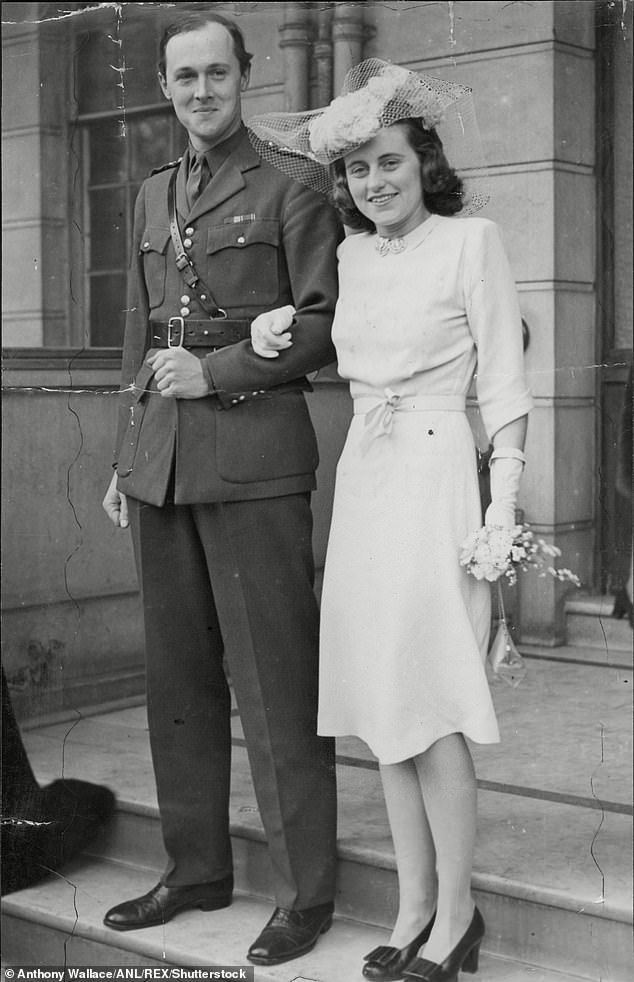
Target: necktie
[(197, 178)]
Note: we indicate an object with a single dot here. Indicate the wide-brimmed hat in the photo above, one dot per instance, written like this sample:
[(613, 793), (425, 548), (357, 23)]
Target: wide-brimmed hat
[(375, 94)]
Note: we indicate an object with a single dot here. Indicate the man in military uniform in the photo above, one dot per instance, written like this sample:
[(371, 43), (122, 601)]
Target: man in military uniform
[(216, 457)]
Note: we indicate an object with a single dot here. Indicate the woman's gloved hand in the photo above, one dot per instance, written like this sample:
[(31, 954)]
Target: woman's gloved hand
[(270, 331), (506, 466)]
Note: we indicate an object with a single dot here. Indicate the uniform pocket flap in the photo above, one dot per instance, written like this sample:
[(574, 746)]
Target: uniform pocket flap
[(266, 230), (154, 239), (255, 427)]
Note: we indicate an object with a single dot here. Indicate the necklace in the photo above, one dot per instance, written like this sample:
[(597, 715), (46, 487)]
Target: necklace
[(385, 246)]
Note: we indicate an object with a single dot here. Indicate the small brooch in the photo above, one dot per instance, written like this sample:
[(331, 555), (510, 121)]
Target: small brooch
[(385, 246)]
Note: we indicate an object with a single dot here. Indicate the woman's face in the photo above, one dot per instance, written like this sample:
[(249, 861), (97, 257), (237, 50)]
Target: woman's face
[(384, 179)]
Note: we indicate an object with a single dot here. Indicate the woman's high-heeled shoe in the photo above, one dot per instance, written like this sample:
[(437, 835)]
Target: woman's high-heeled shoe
[(386, 964), (464, 956)]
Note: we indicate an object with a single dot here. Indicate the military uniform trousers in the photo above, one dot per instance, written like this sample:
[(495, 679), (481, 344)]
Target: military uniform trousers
[(235, 580)]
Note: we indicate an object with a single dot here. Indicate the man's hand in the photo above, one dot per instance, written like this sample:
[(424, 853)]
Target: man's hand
[(178, 374), (269, 331), (115, 505)]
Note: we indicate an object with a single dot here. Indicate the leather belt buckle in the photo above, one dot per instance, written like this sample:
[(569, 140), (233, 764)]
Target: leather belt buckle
[(179, 323)]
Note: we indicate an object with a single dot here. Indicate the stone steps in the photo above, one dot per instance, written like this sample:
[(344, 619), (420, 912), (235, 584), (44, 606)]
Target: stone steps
[(553, 862), (589, 624), (529, 919), (59, 923)]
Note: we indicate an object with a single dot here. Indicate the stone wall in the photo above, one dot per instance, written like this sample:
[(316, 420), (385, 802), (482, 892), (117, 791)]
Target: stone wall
[(532, 70), (72, 624)]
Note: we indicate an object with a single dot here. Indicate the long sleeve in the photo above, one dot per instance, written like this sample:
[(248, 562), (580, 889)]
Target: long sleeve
[(309, 237), (495, 322), (137, 313)]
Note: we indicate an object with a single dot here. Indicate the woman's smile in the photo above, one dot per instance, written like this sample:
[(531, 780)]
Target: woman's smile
[(381, 199)]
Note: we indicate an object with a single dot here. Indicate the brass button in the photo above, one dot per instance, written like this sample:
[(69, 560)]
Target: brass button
[(189, 231), (146, 245), (184, 311), (203, 296), (187, 243), (185, 299), (241, 240)]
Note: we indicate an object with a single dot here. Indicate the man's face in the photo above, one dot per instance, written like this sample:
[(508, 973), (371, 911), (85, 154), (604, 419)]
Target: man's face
[(203, 81)]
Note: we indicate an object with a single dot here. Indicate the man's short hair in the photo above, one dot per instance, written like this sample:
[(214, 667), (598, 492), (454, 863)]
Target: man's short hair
[(193, 22)]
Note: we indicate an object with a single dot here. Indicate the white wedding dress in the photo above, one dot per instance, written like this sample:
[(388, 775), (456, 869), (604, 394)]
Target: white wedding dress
[(404, 629)]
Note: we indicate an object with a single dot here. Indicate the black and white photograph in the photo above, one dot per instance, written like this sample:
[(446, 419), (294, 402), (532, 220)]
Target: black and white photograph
[(317, 590)]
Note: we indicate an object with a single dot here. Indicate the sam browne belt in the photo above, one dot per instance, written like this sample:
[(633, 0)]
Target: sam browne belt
[(178, 332)]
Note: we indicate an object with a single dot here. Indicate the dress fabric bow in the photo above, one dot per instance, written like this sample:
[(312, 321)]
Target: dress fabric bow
[(380, 420)]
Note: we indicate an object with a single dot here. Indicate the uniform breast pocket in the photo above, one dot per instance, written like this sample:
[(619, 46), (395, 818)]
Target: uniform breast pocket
[(154, 251), (242, 263)]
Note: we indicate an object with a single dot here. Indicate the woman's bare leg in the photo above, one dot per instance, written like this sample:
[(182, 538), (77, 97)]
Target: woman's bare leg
[(413, 849), (448, 785)]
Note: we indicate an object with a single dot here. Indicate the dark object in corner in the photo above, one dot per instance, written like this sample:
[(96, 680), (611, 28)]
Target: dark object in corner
[(42, 828)]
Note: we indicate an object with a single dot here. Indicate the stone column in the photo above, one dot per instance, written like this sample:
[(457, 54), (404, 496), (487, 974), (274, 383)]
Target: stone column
[(323, 55), (348, 35), (558, 297), (295, 42), (35, 158)]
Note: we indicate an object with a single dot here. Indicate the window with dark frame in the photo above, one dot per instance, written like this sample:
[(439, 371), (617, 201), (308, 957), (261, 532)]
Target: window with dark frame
[(125, 128)]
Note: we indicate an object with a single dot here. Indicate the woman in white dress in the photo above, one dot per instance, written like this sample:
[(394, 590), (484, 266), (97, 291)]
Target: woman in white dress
[(427, 301)]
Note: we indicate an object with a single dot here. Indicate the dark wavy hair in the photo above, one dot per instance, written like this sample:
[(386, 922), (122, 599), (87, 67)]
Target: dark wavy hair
[(193, 22), (442, 188)]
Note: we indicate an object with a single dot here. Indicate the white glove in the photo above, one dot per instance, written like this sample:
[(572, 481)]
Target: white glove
[(270, 331), (506, 468)]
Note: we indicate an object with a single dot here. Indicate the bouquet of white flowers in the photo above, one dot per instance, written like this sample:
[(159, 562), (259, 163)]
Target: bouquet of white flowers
[(494, 552)]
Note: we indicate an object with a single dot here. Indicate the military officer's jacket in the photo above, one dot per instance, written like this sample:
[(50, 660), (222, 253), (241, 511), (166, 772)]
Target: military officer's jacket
[(259, 241)]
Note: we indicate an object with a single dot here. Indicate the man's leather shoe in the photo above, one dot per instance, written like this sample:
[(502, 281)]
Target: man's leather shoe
[(162, 903), (289, 934)]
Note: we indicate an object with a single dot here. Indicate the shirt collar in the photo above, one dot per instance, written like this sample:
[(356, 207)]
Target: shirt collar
[(218, 154)]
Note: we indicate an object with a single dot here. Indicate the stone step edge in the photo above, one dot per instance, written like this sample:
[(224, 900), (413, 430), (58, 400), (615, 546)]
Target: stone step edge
[(483, 882), (594, 605), (575, 654), (138, 944)]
